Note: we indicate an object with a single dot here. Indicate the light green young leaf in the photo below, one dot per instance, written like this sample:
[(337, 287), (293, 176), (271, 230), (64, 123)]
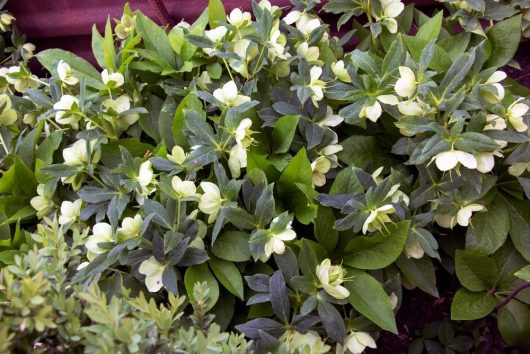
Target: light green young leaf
[(200, 273)]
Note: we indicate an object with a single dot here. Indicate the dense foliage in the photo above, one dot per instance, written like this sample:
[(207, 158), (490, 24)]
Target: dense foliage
[(247, 174)]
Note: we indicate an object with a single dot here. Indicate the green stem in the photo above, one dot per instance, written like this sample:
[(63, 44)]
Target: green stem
[(3, 144), (228, 69), (178, 215), (259, 61)]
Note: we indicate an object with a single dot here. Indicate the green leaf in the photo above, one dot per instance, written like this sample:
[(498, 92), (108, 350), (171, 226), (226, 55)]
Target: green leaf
[(18, 180), (155, 38), (504, 37), (200, 273), (232, 246), (325, 234), (513, 320), (190, 101), (360, 151), (523, 273), (283, 133), (368, 297), (489, 230), (520, 230), (469, 305), (419, 272), (216, 12), (378, 251), (308, 260), (430, 30), (475, 271), (111, 155), (441, 60), (228, 274)]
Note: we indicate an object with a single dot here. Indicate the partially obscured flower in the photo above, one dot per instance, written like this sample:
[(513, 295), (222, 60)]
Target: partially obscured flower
[(130, 227), (316, 85), (70, 211), (215, 35), (101, 233), (8, 115), (228, 95), (377, 218), (462, 217), (310, 54), (184, 189), (112, 80), (330, 278), (118, 106), (494, 80), (67, 111), (238, 19), (515, 114), (519, 168), (357, 342), (153, 272), (340, 71), (211, 201), (391, 10), (146, 180), (125, 26), (320, 167), (275, 243), (374, 110), (42, 203), (406, 84), (65, 73), (6, 19), (237, 160)]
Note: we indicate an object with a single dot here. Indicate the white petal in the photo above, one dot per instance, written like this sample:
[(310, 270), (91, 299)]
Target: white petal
[(467, 159), (388, 99), (446, 160)]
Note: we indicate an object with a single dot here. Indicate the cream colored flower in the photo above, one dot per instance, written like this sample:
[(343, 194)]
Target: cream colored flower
[(237, 160), (76, 154), (238, 19), (515, 114), (130, 227), (112, 80), (377, 218), (153, 272), (20, 78), (203, 80), (494, 80), (119, 105), (65, 73), (66, 111), (485, 161), (406, 84), (177, 156), (41, 203), (228, 95), (330, 278), (519, 168), (316, 85), (8, 115), (374, 111), (277, 42), (27, 50), (6, 19), (126, 26), (357, 342), (411, 108), (147, 181), (330, 120), (184, 189), (215, 35), (320, 167), (243, 134), (414, 250), (340, 71), (311, 54), (462, 217), (276, 244), (211, 201), (101, 233), (494, 122), (70, 211), (448, 160), (391, 10), (305, 23)]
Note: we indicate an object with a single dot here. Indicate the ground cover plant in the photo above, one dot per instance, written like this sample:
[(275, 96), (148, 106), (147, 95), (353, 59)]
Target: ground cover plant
[(244, 183)]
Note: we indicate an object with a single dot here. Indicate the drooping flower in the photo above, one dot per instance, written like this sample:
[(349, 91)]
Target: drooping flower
[(391, 10), (119, 105), (42, 203), (65, 73), (112, 80), (70, 211), (76, 154), (485, 161), (515, 114), (448, 160), (320, 167), (184, 189), (6, 19), (243, 134), (8, 115), (414, 250), (146, 180), (228, 95), (374, 110), (238, 19), (211, 201), (494, 80), (67, 111), (377, 218), (316, 85), (153, 272), (216, 36), (311, 54), (330, 278), (357, 342), (461, 218), (101, 233), (276, 241), (406, 84), (130, 227), (237, 160), (340, 71), (27, 50)]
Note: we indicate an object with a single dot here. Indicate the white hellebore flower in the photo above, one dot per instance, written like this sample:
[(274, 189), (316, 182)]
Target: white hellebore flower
[(153, 272), (494, 80), (340, 71), (316, 85), (406, 84), (177, 156), (485, 161), (8, 115), (331, 277), (120, 105), (304, 23), (277, 42), (414, 250), (237, 160), (76, 154), (276, 244), (448, 160), (515, 114), (462, 216), (357, 342), (411, 108), (311, 54), (184, 189), (28, 49), (320, 167), (519, 168), (65, 73), (101, 233), (211, 201), (20, 78), (237, 18), (70, 211), (130, 227), (374, 111), (377, 218), (330, 120), (215, 35), (113, 80), (41, 203), (228, 95), (494, 122), (146, 180), (391, 10), (67, 111), (243, 133)]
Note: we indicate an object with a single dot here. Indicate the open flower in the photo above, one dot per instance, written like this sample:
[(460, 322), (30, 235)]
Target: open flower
[(494, 80), (331, 277), (316, 85), (515, 114), (377, 218), (42, 203), (101, 233), (177, 156), (243, 134), (276, 244), (320, 167), (485, 161), (211, 201), (330, 120), (153, 272), (228, 95), (406, 84), (277, 42), (21, 78), (311, 54), (411, 108), (305, 23), (494, 122), (66, 111), (448, 160), (146, 180), (126, 26), (76, 154), (184, 189), (391, 10), (65, 73), (130, 227), (112, 80), (8, 115), (357, 342), (216, 36), (70, 211), (374, 110), (462, 216), (340, 71), (118, 106), (238, 19)]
